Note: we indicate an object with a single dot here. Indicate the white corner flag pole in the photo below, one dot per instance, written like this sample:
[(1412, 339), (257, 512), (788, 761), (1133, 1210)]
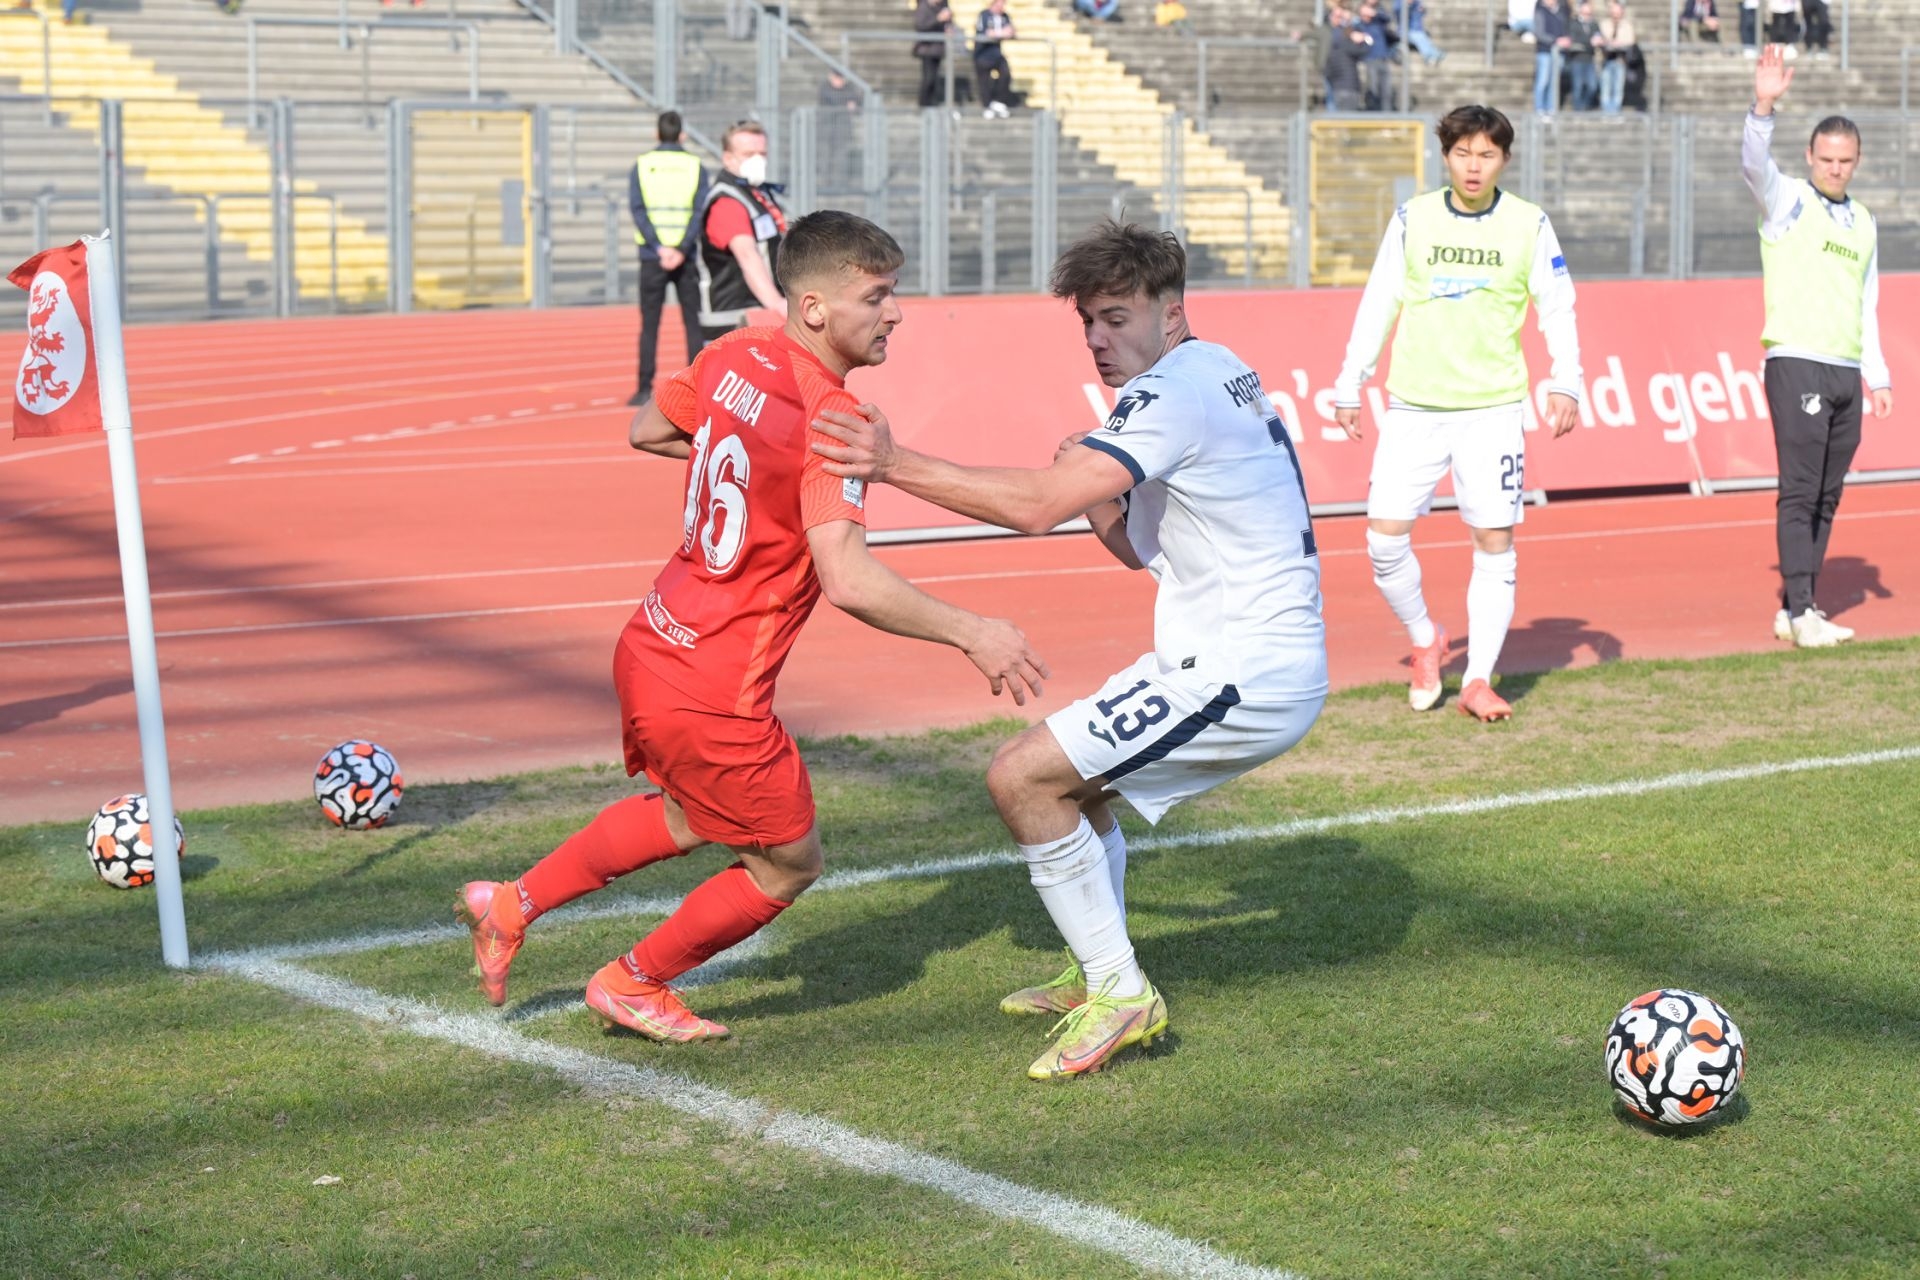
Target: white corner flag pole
[(110, 368)]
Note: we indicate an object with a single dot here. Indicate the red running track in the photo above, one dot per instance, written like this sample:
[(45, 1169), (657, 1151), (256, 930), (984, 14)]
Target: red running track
[(428, 530)]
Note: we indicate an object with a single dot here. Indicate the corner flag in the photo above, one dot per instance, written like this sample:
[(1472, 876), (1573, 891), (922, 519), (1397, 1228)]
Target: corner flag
[(73, 378)]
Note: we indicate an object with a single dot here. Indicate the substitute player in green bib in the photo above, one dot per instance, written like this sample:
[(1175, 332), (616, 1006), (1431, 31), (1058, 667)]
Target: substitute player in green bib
[(1457, 267), (1818, 249)]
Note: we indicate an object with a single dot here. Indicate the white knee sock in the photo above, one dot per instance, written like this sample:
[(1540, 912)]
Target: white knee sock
[(1489, 610), (1396, 571), (1114, 841), (1072, 878)]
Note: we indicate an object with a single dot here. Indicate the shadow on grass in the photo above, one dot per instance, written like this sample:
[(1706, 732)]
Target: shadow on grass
[(1313, 902)]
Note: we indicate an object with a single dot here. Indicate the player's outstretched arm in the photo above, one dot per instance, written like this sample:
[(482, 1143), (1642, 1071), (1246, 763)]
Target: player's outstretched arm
[(653, 432), (855, 582), (1022, 499), (1771, 76)]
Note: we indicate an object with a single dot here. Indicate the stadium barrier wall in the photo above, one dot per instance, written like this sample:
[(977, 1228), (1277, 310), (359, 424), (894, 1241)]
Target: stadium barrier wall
[(1673, 388)]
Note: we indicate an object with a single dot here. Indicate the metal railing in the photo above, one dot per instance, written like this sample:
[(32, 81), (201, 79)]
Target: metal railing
[(956, 44), (1202, 94), (366, 31)]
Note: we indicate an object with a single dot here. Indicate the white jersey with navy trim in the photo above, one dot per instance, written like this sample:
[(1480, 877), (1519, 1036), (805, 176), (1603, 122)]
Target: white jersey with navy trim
[(1218, 514)]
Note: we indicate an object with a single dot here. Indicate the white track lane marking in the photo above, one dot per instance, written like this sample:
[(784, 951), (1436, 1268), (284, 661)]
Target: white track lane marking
[(249, 474), (321, 624), (1076, 1220), (204, 592)]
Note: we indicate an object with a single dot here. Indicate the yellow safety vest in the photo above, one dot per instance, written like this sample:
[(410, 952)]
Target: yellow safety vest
[(669, 179)]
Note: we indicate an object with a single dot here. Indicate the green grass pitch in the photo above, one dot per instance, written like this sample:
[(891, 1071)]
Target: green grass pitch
[(1385, 1056)]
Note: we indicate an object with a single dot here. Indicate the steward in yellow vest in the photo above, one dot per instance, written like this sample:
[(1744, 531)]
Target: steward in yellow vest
[(664, 191)]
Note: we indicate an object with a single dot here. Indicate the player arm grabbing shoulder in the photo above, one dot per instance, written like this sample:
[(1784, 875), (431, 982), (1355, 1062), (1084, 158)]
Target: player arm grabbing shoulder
[(1108, 520), (1024, 499), (856, 583)]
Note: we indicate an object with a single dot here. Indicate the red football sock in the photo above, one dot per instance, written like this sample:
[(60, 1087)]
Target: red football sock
[(716, 915), (626, 836)]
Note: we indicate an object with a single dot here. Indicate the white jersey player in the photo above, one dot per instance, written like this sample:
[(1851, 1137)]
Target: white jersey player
[(1457, 267), (1194, 479)]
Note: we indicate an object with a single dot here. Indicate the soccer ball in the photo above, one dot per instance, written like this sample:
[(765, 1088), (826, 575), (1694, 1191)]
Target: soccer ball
[(120, 842), (1674, 1057), (357, 784)]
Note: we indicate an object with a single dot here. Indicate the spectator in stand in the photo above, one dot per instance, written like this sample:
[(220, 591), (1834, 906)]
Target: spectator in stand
[(384, 4), (840, 102), (1618, 46), (1383, 39), (1347, 46), (1819, 26), (990, 67), (1700, 20), (1783, 26), (1750, 28), (1172, 13), (1550, 49), (1098, 10), (933, 19), (1520, 19), (1417, 33), (1583, 30)]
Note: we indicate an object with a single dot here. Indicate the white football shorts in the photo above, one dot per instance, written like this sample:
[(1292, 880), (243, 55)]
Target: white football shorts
[(1486, 449), (1162, 737)]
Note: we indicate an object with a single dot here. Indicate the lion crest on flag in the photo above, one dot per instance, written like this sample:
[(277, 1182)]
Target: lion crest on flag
[(56, 355)]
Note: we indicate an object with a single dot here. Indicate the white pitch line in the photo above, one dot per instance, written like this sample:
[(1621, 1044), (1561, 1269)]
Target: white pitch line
[(252, 474), (1085, 1224), (1690, 779)]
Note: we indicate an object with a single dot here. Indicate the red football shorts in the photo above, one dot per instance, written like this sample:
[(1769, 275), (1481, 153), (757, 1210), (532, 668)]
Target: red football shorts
[(740, 780)]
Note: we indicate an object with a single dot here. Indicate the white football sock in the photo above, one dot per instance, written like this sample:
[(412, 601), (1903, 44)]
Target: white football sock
[(1396, 571), (1114, 841), (1489, 610), (1071, 876)]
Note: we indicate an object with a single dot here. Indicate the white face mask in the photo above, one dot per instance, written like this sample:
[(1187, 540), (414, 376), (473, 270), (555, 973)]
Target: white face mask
[(754, 170)]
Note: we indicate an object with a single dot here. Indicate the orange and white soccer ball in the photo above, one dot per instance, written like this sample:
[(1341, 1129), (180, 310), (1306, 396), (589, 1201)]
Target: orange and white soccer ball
[(357, 784), (120, 842), (1674, 1057)]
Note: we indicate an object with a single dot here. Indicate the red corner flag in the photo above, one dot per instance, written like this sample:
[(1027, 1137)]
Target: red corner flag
[(57, 392)]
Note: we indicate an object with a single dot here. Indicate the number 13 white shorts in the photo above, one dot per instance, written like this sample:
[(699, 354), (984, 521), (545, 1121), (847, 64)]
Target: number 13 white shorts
[(1160, 737)]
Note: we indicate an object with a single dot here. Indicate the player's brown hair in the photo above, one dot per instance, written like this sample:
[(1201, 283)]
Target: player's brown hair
[(830, 242), (1465, 122), (1116, 261)]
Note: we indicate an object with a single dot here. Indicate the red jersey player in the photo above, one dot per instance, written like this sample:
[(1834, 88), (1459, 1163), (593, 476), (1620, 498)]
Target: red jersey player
[(767, 531)]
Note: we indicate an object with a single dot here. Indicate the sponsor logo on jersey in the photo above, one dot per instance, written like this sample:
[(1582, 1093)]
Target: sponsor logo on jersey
[(765, 363), (665, 625), (1135, 399), (1559, 264), (854, 492), (1460, 256), (740, 398), (1457, 286), (1851, 255)]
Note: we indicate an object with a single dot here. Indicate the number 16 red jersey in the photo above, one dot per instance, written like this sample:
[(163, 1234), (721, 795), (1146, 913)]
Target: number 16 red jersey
[(725, 611)]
